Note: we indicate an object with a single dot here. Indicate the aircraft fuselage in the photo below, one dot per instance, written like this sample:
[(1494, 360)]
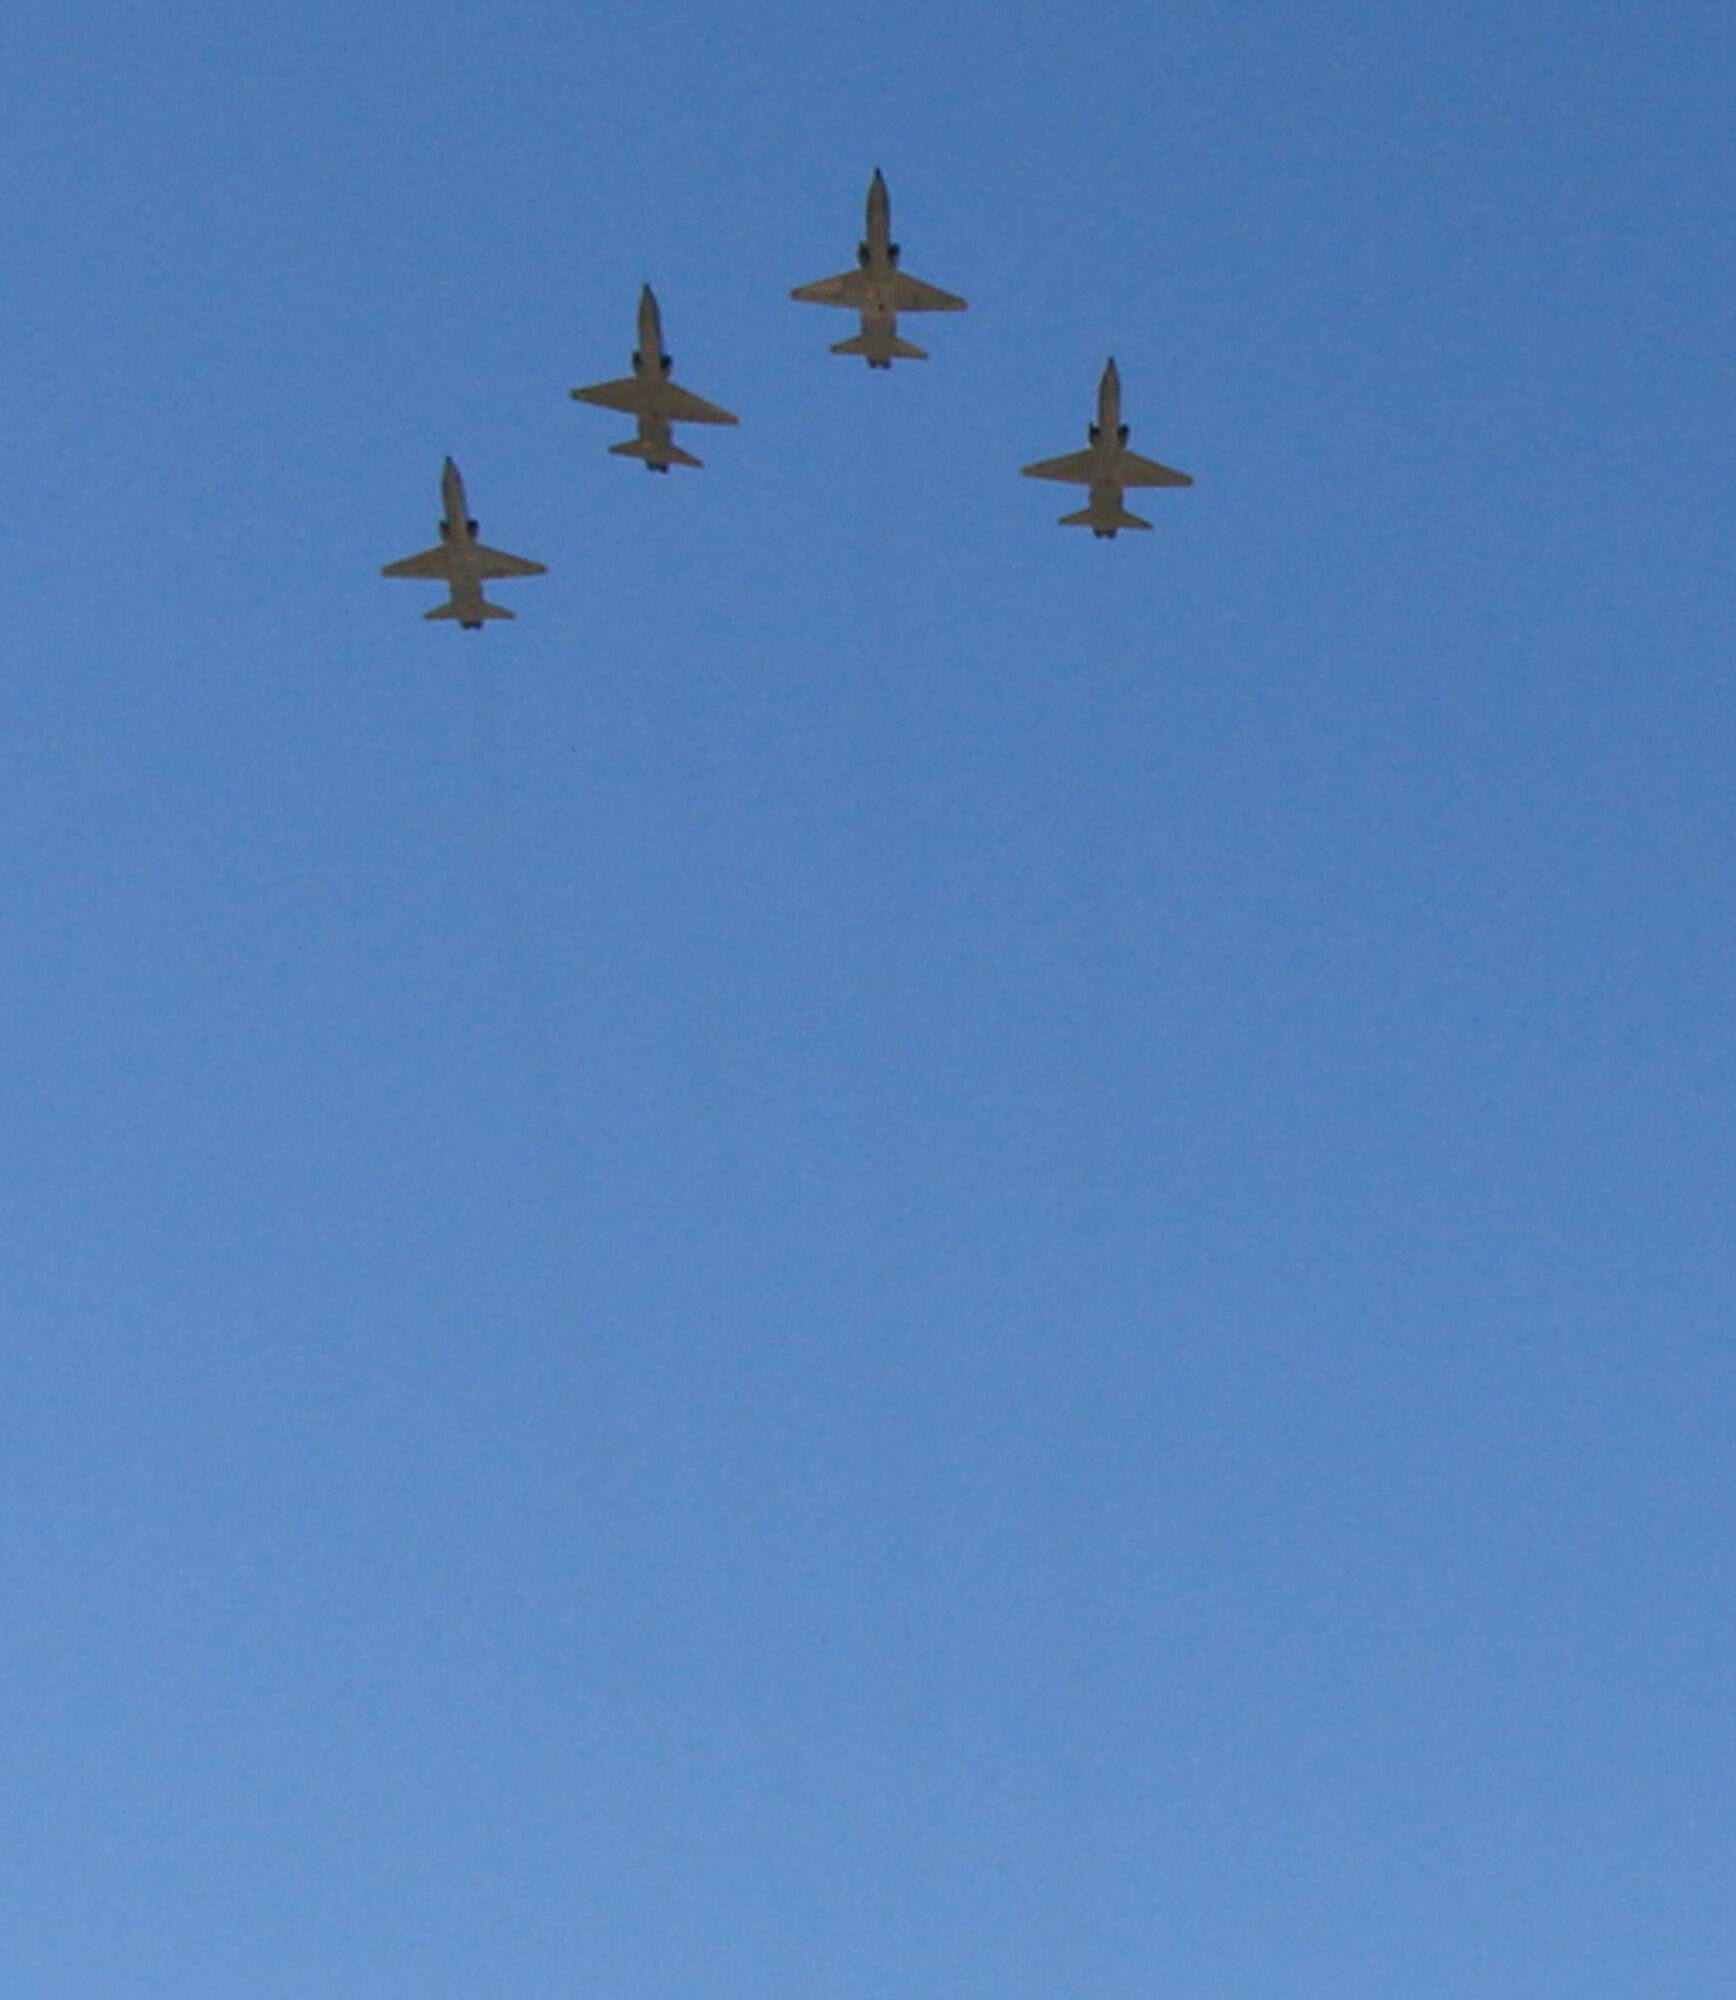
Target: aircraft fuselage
[(1108, 437), (649, 358), (458, 532), (652, 366), (877, 255)]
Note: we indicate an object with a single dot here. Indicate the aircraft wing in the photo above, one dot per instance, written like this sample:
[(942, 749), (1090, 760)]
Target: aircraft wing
[(848, 288), (434, 563), (1137, 471), (1078, 468), (640, 398), (491, 563), (628, 394), (911, 295), (682, 406)]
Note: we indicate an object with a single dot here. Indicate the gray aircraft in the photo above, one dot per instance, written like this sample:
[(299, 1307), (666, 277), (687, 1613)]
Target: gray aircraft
[(651, 396), (1107, 467), (878, 290), (462, 562)]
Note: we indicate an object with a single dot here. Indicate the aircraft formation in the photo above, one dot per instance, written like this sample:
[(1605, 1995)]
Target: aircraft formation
[(877, 291)]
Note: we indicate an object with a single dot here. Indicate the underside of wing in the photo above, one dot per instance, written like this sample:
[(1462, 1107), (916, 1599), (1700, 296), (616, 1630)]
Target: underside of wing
[(630, 393), (1137, 471), (1076, 469), (849, 288), (911, 295), (434, 564), (682, 406), (491, 563)]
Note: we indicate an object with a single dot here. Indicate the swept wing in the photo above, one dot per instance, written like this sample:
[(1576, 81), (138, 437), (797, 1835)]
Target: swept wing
[(682, 406), (1078, 468), (848, 288), (628, 394), (637, 397), (1137, 471), (491, 563), (434, 563), (911, 295), (860, 291)]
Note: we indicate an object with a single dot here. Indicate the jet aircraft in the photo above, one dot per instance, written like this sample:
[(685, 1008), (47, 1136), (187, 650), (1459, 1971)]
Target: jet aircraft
[(651, 396), (878, 290), (462, 562), (1106, 468)]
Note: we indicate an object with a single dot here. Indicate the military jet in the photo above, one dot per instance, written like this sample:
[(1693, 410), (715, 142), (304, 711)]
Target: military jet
[(652, 397), (1107, 467), (462, 562), (878, 290)]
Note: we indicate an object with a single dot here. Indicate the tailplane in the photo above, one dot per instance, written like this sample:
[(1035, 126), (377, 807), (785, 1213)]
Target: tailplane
[(657, 457), (469, 614), (1104, 521), (884, 350)]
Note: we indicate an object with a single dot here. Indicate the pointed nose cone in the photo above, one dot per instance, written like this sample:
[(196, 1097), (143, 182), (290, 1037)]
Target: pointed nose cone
[(650, 322), (452, 486), (1109, 394), (879, 202)]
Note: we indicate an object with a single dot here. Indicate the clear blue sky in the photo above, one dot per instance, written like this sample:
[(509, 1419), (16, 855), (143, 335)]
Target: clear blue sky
[(899, 1255)]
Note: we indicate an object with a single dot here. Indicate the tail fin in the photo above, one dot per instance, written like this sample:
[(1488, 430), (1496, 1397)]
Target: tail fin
[(891, 348), (1104, 523), (469, 614), (655, 455)]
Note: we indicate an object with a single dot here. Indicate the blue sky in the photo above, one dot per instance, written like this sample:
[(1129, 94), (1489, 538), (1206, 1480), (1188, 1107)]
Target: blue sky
[(898, 1253)]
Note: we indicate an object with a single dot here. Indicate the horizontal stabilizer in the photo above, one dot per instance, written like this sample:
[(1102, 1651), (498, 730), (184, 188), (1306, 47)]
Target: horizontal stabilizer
[(1104, 522), (667, 453), (887, 347), (469, 613)]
